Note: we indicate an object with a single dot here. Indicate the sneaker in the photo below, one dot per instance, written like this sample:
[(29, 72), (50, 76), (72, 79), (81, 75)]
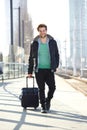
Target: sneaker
[(43, 109), (48, 105)]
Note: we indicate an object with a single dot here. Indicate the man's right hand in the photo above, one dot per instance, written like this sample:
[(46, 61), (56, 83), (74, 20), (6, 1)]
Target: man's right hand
[(29, 76)]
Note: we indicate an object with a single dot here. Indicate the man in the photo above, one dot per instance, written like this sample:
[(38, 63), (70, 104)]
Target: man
[(44, 55)]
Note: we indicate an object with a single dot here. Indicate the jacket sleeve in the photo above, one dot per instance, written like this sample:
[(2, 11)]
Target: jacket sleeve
[(56, 54), (30, 61)]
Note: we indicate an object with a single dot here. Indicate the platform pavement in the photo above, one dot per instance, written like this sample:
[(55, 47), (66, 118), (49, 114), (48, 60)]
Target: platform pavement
[(79, 83), (68, 109)]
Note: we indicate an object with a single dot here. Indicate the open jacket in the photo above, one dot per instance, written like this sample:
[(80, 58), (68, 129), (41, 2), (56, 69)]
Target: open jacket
[(53, 50)]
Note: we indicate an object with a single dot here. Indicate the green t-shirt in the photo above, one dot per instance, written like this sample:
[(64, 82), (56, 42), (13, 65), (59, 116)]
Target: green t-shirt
[(43, 56)]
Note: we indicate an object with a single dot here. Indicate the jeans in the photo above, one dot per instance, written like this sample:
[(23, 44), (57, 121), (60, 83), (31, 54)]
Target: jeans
[(45, 76)]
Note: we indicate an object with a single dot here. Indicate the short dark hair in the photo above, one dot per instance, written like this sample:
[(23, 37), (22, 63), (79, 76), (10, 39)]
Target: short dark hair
[(41, 26)]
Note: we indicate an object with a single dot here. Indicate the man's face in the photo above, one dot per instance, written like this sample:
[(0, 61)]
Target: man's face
[(42, 32)]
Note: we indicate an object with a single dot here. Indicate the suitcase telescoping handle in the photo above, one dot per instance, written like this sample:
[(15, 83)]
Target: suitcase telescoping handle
[(27, 81)]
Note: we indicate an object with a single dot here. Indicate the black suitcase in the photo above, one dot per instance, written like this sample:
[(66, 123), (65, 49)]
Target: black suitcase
[(29, 97)]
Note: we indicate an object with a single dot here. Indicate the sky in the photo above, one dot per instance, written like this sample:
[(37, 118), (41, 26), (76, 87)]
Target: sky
[(54, 13)]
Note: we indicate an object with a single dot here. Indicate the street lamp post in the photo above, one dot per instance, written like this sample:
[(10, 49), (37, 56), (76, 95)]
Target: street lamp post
[(74, 50), (19, 25), (12, 57), (65, 57), (81, 60), (81, 47), (11, 19), (23, 29)]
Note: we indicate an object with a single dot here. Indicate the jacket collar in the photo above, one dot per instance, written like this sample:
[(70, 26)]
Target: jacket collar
[(48, 36)]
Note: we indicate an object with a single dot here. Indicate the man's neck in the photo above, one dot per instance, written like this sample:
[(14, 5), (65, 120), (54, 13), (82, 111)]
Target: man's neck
[(43, 39)]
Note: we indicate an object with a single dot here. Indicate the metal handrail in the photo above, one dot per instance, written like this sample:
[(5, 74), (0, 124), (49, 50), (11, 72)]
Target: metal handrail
[(13, 70)]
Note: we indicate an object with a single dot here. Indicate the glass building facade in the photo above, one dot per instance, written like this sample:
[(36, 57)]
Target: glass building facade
[(78, 32)]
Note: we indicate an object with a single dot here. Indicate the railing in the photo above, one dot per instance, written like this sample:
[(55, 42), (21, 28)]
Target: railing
[(13, 70)]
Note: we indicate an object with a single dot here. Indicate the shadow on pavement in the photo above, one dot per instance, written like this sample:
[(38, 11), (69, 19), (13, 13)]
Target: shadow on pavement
[(6, 90), (22, 120), (57, 115), (1, 84), (71, 116), (53, 114)]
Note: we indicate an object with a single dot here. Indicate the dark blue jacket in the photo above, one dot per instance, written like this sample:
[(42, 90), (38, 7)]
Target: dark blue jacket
[(54, 54)]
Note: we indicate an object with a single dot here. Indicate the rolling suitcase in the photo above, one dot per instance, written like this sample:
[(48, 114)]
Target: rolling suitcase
[(29, 97)]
